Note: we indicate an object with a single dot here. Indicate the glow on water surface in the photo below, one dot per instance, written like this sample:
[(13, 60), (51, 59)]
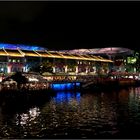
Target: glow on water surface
[(110, 114), (62, 96)]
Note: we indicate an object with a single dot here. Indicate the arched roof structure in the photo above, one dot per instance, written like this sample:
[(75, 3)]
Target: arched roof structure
[(36, 51), (20, 46), (108, 50)]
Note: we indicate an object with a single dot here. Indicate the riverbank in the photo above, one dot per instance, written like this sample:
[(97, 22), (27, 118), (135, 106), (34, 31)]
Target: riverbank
[(110, 84), (36, 83)]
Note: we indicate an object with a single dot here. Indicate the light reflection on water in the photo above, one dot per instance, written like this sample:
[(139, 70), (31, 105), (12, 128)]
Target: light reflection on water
[(66, 96), (24, 118), (77, 115)]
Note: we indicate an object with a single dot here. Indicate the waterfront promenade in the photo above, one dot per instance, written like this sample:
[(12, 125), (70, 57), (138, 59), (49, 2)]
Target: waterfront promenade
[(37, 82)]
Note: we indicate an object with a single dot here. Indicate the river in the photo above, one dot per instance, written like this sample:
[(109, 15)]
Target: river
[(110, 114)]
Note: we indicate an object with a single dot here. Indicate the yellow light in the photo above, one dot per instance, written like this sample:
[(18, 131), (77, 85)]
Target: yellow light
[(60, 55)]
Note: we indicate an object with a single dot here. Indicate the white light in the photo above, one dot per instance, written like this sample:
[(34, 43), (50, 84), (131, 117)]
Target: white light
[(66, 69), (76, 69), (25, 68), (33, 79), (54, 70), (0, 79), (25, 117), (131, 77), (9, 69), (86, 70)]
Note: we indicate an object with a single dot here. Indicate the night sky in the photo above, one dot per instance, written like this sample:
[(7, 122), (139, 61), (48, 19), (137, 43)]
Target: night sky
[(71, 25)]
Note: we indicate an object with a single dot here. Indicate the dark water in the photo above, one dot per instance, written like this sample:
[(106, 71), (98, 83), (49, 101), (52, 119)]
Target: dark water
[(112, 114)]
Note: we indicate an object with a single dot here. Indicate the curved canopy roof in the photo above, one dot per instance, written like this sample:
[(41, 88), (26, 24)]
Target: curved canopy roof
[(109, 50), (20, 46), (50, 54)]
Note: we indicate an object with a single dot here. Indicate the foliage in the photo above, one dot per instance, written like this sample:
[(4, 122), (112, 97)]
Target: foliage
[(19, 78), (45, 66), (137, 63), (35, 68), (71, 64)]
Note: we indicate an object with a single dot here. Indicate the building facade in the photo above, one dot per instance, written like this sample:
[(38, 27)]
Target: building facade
[(24, 58)]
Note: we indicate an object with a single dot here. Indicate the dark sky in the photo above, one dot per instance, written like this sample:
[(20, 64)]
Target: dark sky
[(70, 25)]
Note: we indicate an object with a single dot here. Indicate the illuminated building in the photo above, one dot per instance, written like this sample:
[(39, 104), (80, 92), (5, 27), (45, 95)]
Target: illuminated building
[(123, 58), (21, 58)]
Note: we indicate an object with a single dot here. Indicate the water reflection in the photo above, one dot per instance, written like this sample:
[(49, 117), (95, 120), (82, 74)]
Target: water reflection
[(66, 96), (26, 118), (74, 115)]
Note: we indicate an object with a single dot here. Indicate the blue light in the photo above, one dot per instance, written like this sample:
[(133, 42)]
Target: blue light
[(64, 86), (62, 96), (22, 47), (77, 84), (69, 86), (78, 96), (58, 86)]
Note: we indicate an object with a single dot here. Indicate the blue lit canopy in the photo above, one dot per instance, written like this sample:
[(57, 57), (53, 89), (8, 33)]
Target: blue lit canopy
[(20, 46)]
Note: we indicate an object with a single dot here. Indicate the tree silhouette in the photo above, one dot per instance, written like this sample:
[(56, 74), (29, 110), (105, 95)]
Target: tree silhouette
[(19, 78), (137, 63), (45, 66)]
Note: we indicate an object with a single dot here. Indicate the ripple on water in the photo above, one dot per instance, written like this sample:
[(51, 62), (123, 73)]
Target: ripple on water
[(92, 115)]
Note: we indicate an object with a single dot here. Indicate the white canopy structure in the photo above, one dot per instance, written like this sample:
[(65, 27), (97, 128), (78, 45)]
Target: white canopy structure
[(108, 51)]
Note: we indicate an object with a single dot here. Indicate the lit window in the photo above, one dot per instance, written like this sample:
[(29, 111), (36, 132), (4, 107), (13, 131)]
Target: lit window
[(9, 60), (14, 60), (81, 62), (18, 60)]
